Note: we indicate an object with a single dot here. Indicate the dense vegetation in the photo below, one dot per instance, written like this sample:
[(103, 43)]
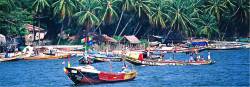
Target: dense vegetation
[(214, 19)]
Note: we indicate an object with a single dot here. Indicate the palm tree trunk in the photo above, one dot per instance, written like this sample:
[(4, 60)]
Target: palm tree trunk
[(39, 30), (100, 31), (138, 30), (125, 26), (169, 32), (118, 23), (33, 30), (58, 42)]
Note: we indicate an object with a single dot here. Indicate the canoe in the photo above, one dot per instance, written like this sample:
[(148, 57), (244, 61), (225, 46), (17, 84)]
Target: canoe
[(154, 62), (113, 59), (46, 57), (201, 62), (89, 75), (97, 60), (9, 59), (168, 62)]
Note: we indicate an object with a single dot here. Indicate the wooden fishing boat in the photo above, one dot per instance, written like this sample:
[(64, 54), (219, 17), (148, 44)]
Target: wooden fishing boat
[(47, 57), (155, 62), (107, 59), (89, 75), (201, 62), (140, 59), (9, 59), (168, 62), (95, 58)]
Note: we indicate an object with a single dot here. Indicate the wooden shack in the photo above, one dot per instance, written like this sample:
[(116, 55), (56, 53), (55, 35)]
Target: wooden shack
[(131, 41), (39, 34)]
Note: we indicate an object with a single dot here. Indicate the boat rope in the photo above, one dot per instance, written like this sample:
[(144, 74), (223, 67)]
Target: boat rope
[(86, 78)]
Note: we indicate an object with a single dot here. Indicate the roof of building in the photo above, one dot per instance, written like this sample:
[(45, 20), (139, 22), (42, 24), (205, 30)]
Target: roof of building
[(29, 27), (132, 39), (109, 39)]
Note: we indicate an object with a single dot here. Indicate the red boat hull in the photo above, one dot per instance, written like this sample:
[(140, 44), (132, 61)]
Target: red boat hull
[(79, 77)]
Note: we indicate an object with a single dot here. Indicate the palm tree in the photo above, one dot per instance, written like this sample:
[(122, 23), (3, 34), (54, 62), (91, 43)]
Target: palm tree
[(87, 15), (143, 7), (207, 26), (159, 16), (242, 12), (180, 17), (7, 5), (127, 5), (63, 8), (109, 12), (216, 8), (38, 7)]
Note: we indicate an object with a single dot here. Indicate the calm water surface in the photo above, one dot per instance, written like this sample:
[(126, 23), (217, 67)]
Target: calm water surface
[(231, 69)]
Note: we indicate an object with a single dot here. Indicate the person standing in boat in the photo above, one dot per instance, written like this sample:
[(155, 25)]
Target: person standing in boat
[(191, 58), (125, 69), (198, 57), (208, 56)]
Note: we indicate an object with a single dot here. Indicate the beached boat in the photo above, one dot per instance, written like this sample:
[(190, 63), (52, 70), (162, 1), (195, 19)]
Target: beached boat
[(107, 59), (47, 57), (9, 59), (223, 45), (154, 62), (89, 75), (168, 62), (97, 57), (140, 59)]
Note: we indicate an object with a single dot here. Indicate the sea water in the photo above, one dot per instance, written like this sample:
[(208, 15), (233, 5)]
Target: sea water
[(231, 69)]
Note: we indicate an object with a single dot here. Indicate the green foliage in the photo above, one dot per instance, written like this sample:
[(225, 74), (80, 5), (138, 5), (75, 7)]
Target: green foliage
[(207, 26), (63, 8), (118, 38), (159, 14), (207, 18), (39, 5), (86, 16), (13, 19)]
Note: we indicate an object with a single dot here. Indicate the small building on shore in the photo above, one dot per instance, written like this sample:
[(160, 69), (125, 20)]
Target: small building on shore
[(108, 39), (2, 40), (131, 41), (39, 34)]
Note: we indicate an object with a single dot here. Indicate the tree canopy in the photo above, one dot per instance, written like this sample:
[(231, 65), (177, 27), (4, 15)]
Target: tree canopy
[(213, 19)]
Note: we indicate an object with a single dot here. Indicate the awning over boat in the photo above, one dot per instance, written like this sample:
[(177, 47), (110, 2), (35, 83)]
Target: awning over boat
[(132, 39), (199, 43)]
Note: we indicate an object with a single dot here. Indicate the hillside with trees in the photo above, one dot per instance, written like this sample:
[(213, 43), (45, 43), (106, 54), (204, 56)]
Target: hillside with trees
[(213, 19)]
